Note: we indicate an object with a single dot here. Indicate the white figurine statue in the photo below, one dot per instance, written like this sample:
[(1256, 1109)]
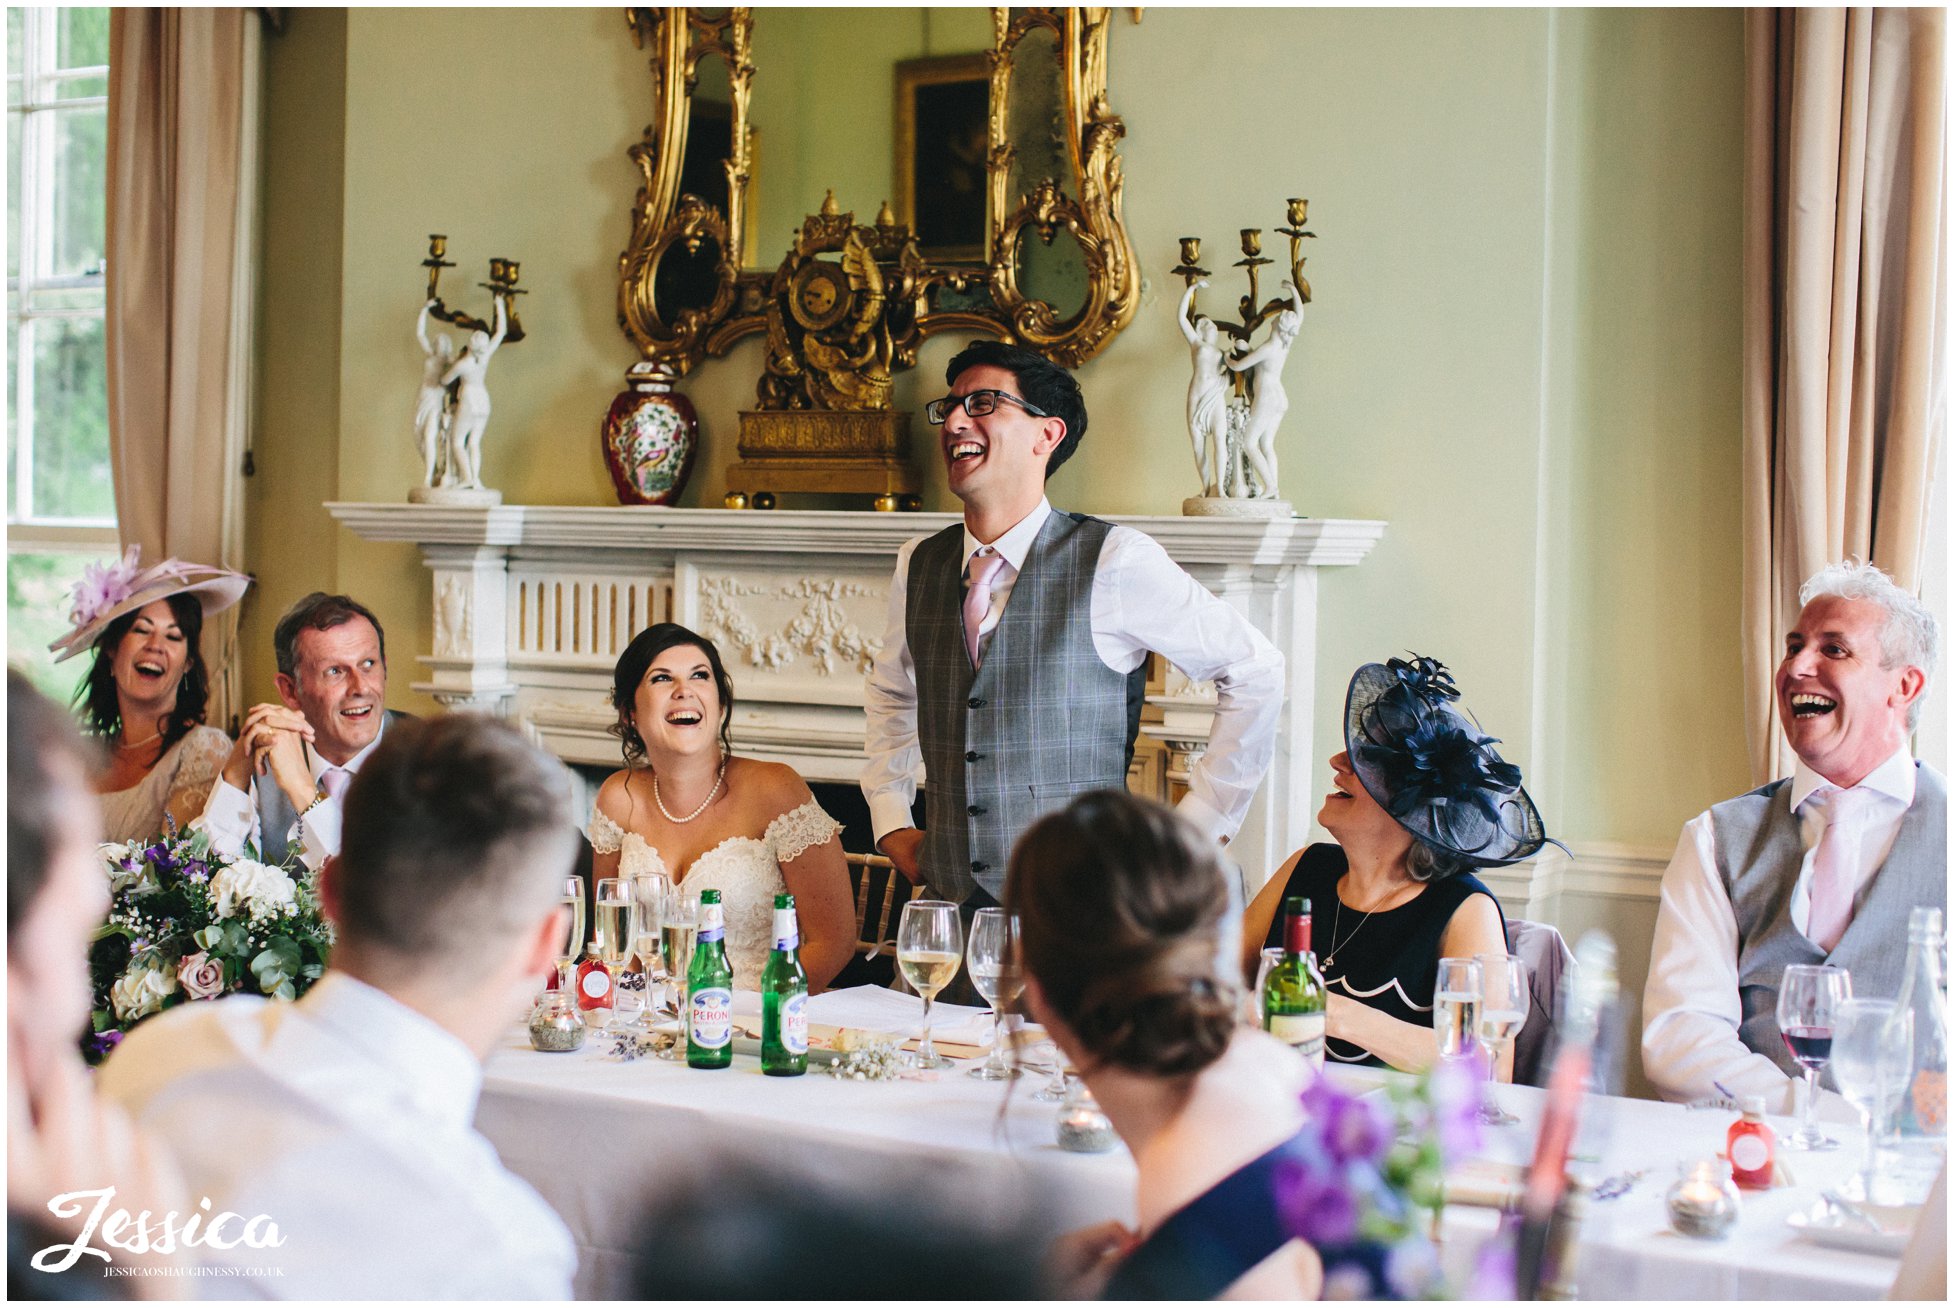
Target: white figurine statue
[(1207, 392), (433, 411), (1270, 402), (472, 401)]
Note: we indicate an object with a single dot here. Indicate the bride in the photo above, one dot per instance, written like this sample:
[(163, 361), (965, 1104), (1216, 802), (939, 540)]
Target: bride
[(685, 807)]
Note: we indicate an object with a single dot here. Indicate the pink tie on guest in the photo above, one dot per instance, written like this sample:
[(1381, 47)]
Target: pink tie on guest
[(1834, 863), (984, 567), (334, 782)]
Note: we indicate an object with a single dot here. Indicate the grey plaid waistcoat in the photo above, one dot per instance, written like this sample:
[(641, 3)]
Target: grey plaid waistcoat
[(1043, 720), (1759, 854)]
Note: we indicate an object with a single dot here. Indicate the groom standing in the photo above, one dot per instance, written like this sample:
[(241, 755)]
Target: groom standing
[(1015, 659)]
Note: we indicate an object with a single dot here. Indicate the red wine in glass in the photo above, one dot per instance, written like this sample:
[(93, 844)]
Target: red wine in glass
[(1810, 1045)]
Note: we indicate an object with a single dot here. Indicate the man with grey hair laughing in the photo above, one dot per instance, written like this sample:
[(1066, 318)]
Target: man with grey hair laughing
[(1821, 867)]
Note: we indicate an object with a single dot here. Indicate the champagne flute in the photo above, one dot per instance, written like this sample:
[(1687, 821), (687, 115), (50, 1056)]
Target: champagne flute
[(997, 970), (1455, 1006), (1270, 957), (1504, 999), (929, 948), (651, 890), (679, 930), (571, 941), (617, 928), (1809, 997), (1872, 1052)]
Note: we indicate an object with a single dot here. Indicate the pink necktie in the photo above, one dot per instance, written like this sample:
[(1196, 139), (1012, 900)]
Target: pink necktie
[(334, 782), (977, 600), (1833, 864)]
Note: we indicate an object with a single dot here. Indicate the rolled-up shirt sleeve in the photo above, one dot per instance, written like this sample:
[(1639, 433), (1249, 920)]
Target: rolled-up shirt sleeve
[(318, 830), (895, 756), (1142, 600), (229, 818)]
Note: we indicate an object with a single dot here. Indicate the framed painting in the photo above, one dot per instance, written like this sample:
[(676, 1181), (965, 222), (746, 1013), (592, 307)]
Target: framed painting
[(942, 148)]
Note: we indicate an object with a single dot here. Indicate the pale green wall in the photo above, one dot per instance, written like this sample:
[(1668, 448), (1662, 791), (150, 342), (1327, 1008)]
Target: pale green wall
[(1522, 353)]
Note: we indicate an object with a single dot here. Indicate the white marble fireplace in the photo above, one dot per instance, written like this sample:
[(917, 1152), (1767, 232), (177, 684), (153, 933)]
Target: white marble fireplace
[(532, 604)]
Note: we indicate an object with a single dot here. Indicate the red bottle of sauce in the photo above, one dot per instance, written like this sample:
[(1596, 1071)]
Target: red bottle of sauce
[(594, 987), (1751, 1147)]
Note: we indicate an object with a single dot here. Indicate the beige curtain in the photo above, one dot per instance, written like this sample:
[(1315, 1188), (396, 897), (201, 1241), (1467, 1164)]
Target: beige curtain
[(1845, 308), (182, 160)]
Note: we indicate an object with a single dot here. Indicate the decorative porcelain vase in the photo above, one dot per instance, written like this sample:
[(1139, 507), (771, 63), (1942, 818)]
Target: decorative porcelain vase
[(650, 437)]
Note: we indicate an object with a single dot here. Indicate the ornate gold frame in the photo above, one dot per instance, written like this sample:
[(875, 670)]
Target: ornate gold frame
[(679, 38)]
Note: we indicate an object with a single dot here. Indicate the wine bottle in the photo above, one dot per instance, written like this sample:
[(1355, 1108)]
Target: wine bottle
[(1923, 1105), (1294, 1003), (709, 984), (783, 997)]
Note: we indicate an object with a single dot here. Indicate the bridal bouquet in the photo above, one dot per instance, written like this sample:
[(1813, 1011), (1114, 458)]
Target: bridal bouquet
[(1368, 1179), (187, 924)]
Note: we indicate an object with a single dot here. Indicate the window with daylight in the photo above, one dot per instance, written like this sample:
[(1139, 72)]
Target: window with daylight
[(60, 500)]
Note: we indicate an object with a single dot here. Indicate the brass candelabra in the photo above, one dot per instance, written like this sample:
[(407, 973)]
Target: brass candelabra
[(501, 284), (1253, 312)]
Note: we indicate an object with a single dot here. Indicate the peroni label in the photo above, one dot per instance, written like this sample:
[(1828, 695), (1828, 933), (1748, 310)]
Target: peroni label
[(712, 1017), (793, 1024)]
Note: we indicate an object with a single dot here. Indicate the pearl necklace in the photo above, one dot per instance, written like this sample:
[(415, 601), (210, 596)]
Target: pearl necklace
[(138, 744), (712, 794)]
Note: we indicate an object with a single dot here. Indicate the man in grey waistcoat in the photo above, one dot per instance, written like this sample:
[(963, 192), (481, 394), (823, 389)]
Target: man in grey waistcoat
[(1823, 866), (1015, 661), (281, 787)]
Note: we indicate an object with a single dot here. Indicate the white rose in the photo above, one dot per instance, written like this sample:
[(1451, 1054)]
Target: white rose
[(265, 890), (140, 991)]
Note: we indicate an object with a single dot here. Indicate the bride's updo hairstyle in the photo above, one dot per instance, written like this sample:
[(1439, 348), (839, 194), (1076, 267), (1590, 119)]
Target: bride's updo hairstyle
[(1121, 905), (635, 662)]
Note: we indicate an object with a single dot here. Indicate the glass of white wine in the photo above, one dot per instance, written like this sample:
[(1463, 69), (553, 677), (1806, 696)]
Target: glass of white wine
[(929, 947), (571, 942), (997, 970), (679, 931), (1503, 1002), (617, 929)]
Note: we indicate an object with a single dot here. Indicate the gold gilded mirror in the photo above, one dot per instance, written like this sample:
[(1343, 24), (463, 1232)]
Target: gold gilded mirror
[(984, 182)]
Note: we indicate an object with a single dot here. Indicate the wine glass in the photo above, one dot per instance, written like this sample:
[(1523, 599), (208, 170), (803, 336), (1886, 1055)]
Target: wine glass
[(571, 941), (1270, 957), (651, 890), (679, 932), (1872, 1053), (998, 973), (1809, 997), (1503, 1003), (617, 929), (929, 947), (1455, 1006)]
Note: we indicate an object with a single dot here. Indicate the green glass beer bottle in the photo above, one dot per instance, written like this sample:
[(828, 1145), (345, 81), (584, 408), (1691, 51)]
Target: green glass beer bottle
[(1295, 1006), (783, 997), (709, 989)]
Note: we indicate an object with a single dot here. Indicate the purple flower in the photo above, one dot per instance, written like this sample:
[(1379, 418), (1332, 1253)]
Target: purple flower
[(103, 586), (139, 944), (1495, 1270), (102, 1042), (1317, 1203), (1455, 1097), (1352, 1129)]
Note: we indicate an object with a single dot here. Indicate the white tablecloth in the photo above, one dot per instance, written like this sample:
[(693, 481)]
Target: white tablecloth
[(594, 1135)]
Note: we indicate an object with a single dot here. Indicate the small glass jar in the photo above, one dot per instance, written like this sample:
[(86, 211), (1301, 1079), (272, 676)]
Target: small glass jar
[(1082, 1127), (1703, 1203), (555, 1025)]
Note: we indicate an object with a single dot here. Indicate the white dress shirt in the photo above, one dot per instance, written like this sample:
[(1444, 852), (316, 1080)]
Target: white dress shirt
[(231, 815), (1690, 1007), (1141, 601), (346, 1118)]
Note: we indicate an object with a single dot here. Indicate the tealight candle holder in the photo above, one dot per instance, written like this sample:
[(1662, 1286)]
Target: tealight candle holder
[(1703, 1203)]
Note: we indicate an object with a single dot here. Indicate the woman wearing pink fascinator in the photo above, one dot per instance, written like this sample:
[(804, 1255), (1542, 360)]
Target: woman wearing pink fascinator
[(146, 693)]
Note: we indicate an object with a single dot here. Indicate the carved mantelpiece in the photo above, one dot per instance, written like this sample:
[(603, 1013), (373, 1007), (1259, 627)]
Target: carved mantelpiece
[(531, 605)]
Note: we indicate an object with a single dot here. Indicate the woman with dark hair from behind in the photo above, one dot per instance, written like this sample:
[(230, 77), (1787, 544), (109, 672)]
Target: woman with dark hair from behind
[(684, 806), (1419, 799), (1128, 943), (147, 688), (61, 1138)]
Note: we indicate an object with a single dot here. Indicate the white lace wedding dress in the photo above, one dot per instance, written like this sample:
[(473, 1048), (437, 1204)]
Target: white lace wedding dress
[(744, 870), (186, 773)]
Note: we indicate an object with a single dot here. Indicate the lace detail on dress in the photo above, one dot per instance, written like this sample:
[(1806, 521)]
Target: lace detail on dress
[(798, 830), (606, 836)]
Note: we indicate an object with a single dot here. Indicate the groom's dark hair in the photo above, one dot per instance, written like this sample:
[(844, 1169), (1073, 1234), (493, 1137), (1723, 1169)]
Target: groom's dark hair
[(1041, 383)]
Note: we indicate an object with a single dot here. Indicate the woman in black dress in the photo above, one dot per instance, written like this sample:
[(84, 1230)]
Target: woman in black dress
[(1419, 799)]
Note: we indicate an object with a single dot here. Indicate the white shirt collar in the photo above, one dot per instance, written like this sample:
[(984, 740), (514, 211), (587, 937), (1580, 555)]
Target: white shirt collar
[(439, 1075), (1893, 779), (1014, 544), (353, 764)]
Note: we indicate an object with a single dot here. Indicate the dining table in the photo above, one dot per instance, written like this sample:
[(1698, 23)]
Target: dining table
[(604, 1137)]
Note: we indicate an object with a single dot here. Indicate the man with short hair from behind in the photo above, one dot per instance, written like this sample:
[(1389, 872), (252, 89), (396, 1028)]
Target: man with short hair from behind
[(346, 1117), (1823, 866), (283, 786)]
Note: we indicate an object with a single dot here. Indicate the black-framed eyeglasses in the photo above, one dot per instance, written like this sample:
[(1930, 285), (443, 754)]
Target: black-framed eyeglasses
[(976, 404)]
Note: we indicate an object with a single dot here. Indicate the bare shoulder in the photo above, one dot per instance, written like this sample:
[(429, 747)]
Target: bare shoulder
[(614, 796), (773, 787)]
